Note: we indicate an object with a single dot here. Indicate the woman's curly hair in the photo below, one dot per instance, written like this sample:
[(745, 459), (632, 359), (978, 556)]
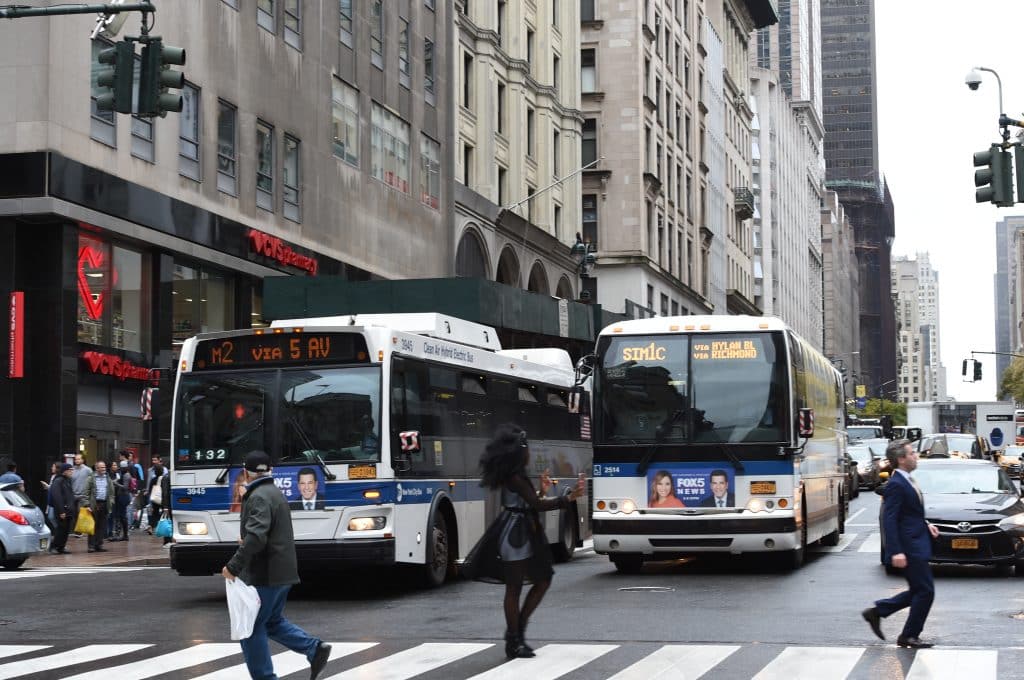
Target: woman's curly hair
[(504, 456)]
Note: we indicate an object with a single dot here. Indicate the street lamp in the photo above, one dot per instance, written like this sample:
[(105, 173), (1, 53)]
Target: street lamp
[(583, 252)]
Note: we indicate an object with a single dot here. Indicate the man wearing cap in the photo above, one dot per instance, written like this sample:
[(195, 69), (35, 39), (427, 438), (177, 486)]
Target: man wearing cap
[(266, 560), (65, 508)]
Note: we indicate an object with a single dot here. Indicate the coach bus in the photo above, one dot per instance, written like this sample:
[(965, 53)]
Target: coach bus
[(715, 434), (375, 425)]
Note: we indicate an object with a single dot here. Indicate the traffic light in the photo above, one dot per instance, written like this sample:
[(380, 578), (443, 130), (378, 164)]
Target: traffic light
[(977, 370), (156, 78), (996, 172), (963, 369), (116, 77)]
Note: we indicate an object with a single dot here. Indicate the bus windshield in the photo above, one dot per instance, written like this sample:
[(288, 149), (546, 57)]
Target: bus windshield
[(707, 388), (297, 416)]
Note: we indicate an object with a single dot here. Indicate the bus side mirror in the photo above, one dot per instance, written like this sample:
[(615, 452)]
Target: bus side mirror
[(410, 444), (805, 422)]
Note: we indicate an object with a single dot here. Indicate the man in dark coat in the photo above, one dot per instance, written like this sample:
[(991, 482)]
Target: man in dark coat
[(65, 508), (266, 560)]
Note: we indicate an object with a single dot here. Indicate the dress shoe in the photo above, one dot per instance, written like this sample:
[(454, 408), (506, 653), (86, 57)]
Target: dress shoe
[(320, 657), (874, 620), (913, 643)]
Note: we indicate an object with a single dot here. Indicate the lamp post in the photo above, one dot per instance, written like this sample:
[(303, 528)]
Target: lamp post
[(973, 81), (583, 252)]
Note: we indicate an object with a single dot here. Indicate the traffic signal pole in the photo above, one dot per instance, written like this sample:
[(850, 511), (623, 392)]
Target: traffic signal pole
[(20, 12)]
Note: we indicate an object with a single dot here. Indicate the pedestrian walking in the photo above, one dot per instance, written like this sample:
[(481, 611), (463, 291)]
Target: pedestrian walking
[(122, 502), (514, 549), (65, 508), (908, 546), (81, 481), (100, 494), (266, 560), (51, 518)]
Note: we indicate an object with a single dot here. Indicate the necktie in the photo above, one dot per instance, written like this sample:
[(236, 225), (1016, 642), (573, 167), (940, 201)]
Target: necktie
[(309, 505), (721, 503), (913, 483)]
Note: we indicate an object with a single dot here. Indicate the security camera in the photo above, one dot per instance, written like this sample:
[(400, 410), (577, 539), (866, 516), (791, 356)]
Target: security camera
[(973, 79)]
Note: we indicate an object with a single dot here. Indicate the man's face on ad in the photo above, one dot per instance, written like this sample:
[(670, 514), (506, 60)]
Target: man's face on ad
[(719, 486), (307, 487)]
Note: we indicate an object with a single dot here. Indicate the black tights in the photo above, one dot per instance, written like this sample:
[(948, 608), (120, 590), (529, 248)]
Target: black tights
[(516, 616)]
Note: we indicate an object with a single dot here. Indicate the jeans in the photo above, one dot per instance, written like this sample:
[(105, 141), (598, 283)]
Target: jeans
[(270, 623)]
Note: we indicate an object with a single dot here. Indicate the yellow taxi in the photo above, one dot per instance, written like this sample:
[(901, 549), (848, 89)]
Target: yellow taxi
[(1010, 460)]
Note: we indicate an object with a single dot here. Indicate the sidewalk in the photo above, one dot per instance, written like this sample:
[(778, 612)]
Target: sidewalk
[(142, 550)]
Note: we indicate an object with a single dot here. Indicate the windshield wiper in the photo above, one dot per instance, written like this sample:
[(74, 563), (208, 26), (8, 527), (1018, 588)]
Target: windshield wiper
[(223, 476), (659, 437), (737, 465), (308, 443)]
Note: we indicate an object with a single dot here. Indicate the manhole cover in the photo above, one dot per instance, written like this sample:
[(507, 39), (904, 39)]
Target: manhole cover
[(647, 589)]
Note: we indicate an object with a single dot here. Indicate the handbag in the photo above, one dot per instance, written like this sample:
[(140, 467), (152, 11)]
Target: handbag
[(85, 524), (156, 494), (243, 607), (164, 528)]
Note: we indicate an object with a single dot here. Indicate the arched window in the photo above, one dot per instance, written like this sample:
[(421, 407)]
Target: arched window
[(564, 289), (470, 260), (508, 268), (538, 279)]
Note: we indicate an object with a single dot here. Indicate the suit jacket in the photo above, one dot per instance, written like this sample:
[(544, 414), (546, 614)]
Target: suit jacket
[(709, 502), (903, 522), (318, 503), (266, 556), (62, 497)]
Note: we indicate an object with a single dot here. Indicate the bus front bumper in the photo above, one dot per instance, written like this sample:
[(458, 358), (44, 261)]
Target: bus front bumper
[(667, 538), (203, 559)]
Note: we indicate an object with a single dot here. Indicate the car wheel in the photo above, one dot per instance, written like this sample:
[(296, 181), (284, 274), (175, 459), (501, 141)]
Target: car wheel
[(628, 564), (13, 563), (563, 550)]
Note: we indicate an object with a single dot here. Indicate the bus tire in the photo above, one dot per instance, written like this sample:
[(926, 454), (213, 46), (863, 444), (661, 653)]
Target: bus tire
[(628, 564), (796, 558), (831, 540), (439, 559), (563, 550)]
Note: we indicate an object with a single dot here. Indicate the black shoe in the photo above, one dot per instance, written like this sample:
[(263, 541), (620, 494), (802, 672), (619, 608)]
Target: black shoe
[(91, 550), (101, 550), (320, 657), (64, 551), (874, 620), (913, 643), (515, 648)]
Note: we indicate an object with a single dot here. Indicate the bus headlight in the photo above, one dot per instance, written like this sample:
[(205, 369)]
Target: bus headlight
[(192, 529), (628, 506), (755, 505), (366, 523)]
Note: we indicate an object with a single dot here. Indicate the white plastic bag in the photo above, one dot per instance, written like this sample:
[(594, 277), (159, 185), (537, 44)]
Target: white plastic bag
[(243, 606)]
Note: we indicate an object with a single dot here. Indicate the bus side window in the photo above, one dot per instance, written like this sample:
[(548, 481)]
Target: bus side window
[(408, 409), (530, 412), (444, 420), (503, 394), (474, 405), (557, 418)]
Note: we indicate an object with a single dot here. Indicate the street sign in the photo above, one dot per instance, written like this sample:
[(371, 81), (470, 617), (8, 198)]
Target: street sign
[(862, 402)]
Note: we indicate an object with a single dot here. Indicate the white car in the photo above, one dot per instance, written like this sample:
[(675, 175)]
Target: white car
[(23, 531)]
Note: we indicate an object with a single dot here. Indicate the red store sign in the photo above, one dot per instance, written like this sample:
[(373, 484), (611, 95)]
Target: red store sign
[(113, 365), (275, 248), (16, 336)]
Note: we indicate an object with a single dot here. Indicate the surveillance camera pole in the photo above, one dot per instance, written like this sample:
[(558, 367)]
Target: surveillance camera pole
[(1004, 122)]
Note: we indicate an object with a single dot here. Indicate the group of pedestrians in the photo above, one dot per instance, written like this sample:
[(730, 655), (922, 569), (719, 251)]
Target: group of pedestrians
[(118, 497)]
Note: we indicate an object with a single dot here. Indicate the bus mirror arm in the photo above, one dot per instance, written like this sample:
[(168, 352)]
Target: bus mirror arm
[(330, 476)]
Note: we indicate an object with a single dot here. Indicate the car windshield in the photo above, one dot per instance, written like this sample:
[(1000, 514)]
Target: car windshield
[(1014, 451), (963, 479), (861, 454), (17, 498), (864, 432)]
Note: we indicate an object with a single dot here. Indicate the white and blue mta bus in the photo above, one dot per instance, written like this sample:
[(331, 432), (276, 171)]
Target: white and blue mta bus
[(375, 425), (715, 434)]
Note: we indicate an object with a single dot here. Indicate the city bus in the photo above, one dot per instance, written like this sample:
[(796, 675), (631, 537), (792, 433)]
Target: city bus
[(375, 425), (715, 434)]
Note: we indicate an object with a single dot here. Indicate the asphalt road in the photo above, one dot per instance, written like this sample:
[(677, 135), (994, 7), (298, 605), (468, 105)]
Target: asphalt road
[(760, 618)]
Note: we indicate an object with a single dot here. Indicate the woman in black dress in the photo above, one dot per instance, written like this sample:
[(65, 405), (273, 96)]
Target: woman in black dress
[(514, 548)]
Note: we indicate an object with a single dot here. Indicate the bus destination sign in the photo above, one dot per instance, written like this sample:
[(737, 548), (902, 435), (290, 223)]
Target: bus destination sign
[(280, 349), (724, 349)]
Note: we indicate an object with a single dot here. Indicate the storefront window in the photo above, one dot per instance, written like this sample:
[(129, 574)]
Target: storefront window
[(128, 321), (185, 292), (111, 296), (204, 301), (217, 304)]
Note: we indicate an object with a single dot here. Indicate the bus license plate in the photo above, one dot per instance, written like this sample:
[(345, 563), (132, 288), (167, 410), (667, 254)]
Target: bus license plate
[(362, 472), (762, 488), (965, 544)]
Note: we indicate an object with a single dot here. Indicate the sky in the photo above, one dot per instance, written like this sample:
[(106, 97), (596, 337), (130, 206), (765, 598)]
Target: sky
[(930, 125)]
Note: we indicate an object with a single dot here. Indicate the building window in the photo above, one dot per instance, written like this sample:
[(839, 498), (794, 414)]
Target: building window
[(467, 81), (556, 64), (554, 13), (293, 23), (428, 70), (103, 124), (529, 49), (588, 70), (113, 306), (292, 176), (555, 143), (467, 164), (587, 10), (188, 134), (265, 14), (142, 138), (345, 21), (430, 172), (529, 132), (500, 109), (558, 222), (502, 186), (530, 191), (345, 120), (264, 165), (590, 220), (377, 34), (403, 53), (588, 147), (502, 6), (389, 148), (203, 301), (226, 148)]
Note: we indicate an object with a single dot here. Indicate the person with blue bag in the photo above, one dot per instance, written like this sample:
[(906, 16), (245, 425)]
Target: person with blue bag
[(160, 504)]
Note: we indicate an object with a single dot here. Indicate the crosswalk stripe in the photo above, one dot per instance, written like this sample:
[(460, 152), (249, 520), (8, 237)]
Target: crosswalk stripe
[(811, 663), (843, 544), (14, 650), (411, 662), (873, 543), (552, 661), (686, 662), (65, 659), (952, 664), (288, 662), (158, 665), (55, 571)]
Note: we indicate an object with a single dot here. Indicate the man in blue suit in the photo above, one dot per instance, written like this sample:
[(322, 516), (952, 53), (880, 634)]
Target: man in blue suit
[(908, 546)]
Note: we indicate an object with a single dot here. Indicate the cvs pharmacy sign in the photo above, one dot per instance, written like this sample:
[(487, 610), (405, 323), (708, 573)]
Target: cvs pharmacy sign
[(275, 248)]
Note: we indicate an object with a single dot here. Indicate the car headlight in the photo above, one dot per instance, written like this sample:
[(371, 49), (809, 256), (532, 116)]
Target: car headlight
[(1012, 522), (192, 529), (366, 523)]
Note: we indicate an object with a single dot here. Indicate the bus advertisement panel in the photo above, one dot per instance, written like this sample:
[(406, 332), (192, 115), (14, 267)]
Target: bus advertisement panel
[(375, 425), (714, 434)]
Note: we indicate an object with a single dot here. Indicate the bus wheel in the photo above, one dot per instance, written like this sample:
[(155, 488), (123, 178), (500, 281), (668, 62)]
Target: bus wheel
[(796, 559), (436, 569), (628, 564), (563, 550), (832, 539)]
